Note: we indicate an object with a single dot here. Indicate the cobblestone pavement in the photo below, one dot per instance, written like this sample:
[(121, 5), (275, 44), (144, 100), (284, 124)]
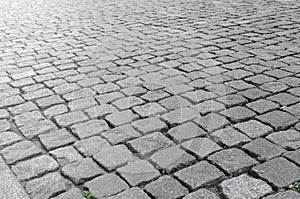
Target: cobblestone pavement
[(140, 99)]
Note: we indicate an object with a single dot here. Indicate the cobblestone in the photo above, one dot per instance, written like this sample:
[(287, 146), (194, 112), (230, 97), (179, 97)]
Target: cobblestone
[(244, 186), (202, 193), (279, 120), (229, 137), (133, 193), (91, 145), (279, 172), (185, 132), (19, 151), (173, 87), (199, 175), (56, 139), (8, 138), (46, 186), (138, 172), (149, 143), (233, 161), (287, 194), (166, 188), (82, 170), (113, 157), (171, 159), (110, 185), (201, 147), (34, 167), (89, 128), (65, 155), (263, 149)]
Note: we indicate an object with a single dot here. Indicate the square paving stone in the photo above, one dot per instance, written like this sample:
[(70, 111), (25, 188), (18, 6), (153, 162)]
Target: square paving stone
[(208, 107), (263, 150), (178, 89), (8, 138), (229, 137), (261, 106), (34, 167), (279, 120), (155, 95), (109, 97), (254, 93), (22, 108), (138, 172), (113, 157), (81, 104), (91, 145), (185, 132), (149, 143), (121, 134), (28, 117), (259, 79), (70, 194), (220, 89), (199, 96), (246, 187), (149, 125), (56, 139), (11, 101), (55, 110), (277, 73), (100, 110), (211, 122), (201, 147), (239, 85), (33, 129), (289, 139), (174, 102), (106, 185), (128, 102), (46, 186), (82, 170), (65, 155), (180, 116), (149, 109), (284, 195), (253, 128), (238, 114), (105, 88), (274, 87), (279, 172), (233, 161), (202, 194), (166, 187), (284, 99), (132, 193), (200, 175), (293, 156), (134, 90), (19, 151), (70, 118), (232, 100), (120, 118), (89, 128), (172, 158)]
